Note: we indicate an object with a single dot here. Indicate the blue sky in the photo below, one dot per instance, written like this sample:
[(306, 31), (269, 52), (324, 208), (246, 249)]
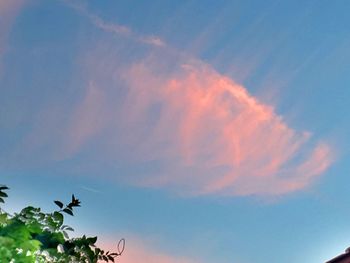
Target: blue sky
[(201, 131)]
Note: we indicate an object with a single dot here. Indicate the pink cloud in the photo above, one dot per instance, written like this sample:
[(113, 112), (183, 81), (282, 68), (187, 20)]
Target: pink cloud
[(210, 134), (137, 251), (206, 132)]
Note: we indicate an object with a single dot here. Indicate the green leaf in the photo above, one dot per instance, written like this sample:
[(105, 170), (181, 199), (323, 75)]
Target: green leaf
[(58, 218), (3, 194), (28, 211), (92, 240), (4, 187), (3, 218), (59, 204), (65, 234), (41, 216), (51, 223), (68, 211), (69, 228)]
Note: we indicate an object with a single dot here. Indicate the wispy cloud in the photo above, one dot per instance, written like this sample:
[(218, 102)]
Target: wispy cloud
[(205, 133), (115, 28), (153, 40), (90, 189), (210, 123), (209, 133)]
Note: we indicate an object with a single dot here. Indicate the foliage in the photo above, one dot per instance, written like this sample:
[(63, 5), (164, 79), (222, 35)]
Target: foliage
[(32, 236)]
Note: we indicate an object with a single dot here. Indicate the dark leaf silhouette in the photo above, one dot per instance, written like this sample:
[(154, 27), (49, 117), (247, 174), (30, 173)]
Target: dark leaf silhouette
[(59, 204)]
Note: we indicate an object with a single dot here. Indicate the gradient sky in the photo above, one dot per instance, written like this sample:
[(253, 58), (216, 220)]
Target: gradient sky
[(200, 131)]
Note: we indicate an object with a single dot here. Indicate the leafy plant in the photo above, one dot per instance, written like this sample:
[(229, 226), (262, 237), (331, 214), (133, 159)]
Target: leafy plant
[(32, 236)]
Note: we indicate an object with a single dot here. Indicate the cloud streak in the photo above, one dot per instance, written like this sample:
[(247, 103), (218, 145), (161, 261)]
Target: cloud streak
[(114, 28)]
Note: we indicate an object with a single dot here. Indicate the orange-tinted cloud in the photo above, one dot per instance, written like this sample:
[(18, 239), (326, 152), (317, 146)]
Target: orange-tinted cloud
[(137, 251), (209, 133), (207, 122), (206, 133)]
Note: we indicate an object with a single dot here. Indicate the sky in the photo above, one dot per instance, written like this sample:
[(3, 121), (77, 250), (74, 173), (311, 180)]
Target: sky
[(198, 130)]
